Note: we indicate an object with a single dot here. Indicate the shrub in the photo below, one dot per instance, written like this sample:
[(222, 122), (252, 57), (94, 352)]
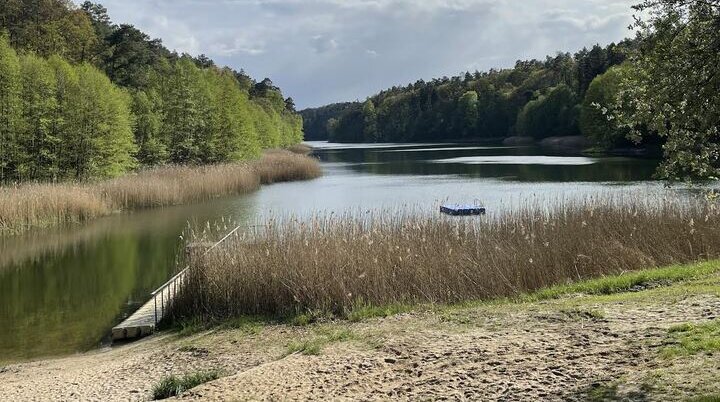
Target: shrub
[(173, 386)]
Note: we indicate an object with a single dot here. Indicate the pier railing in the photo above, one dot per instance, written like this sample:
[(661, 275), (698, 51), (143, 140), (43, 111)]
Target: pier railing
[(164, 296)]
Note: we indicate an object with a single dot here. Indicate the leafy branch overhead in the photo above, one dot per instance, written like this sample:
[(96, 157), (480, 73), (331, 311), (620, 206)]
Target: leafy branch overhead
[(673, 89)]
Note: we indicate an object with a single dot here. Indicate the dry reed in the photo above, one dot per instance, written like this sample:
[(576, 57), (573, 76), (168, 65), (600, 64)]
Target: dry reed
[(282, 166), (333, 264), (301, 149), (32, 205), (48, 204)]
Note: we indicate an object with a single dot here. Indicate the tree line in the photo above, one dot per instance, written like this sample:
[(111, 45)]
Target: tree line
[(661, 87), (81, 97), (535, 99)]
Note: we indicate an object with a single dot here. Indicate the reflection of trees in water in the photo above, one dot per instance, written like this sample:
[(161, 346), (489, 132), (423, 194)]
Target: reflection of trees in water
[(61, 290), (422, 163), (64, 304)]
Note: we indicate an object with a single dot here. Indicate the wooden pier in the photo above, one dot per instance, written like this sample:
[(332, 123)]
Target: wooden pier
[(144, 321)]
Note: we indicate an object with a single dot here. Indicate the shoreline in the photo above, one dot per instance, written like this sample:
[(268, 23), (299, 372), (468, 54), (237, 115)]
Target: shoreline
[(41, 205), (620, 343)]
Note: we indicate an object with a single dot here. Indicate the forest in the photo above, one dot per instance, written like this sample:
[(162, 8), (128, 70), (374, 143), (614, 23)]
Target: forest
[(662, 87), (82, 98), (536, 99)]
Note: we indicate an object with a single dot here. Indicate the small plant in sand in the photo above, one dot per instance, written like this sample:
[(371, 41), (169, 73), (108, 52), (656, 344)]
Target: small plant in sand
[(174, 385)]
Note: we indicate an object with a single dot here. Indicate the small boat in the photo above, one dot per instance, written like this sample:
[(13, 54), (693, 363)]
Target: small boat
[(462, 210)]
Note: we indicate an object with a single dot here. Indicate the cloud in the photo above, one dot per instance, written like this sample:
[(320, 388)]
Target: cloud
[(322, 51), (322, 44)]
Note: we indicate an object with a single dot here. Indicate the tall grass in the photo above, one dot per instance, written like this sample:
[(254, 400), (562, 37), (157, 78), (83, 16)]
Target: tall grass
[(280, 166), (48, 204), (335, 264), (301, 149), (38, 204)]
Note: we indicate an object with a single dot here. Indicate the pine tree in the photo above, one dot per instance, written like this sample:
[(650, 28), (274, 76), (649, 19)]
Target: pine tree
[(106, 146), (9, 109), (147, 110), (39, 159), (370, 131)]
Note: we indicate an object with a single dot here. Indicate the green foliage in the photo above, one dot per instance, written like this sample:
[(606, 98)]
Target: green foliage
[(147, 109), (474, 106), (468, 113), (174, 386), (316, 121), (39, 142), (554, 114), (104, 144), (137, 104), (370, 131), (692, 339), (49, 27), (674, 88), (597, 119), (9, 109)]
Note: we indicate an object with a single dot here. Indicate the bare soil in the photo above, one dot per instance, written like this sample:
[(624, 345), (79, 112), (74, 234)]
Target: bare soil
[(577, 348)]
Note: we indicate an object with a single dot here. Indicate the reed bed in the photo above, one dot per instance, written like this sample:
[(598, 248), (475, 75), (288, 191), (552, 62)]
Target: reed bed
[(48, 204), (44, 204), (301, 149), (333, 264), (174, 185), (281, 166)]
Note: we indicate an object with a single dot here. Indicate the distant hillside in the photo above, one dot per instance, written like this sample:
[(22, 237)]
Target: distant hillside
[(535, 98), (315, 120)]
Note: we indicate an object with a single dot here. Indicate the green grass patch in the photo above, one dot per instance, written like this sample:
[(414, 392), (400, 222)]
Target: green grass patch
[(706, 398), (248, 324), (190, 327), (603, 392), (174, 385), (314, 345), (628, 281), (693, 339), (366, 312)]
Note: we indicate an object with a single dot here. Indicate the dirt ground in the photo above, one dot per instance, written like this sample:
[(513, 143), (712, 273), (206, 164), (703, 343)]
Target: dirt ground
[(576, 348)]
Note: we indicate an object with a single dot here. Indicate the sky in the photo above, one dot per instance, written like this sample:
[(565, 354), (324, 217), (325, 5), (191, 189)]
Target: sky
[(326, 51)]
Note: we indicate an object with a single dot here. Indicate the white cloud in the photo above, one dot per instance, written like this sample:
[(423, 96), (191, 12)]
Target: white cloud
[(322, 51)]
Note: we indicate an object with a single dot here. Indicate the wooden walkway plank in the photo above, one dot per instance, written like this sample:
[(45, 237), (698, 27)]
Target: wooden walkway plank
[(144, 320)]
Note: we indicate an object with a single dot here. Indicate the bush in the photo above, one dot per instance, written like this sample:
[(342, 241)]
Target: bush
[(173, 386)]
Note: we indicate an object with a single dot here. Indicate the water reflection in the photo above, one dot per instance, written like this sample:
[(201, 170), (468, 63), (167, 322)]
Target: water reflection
[(524, 164), (61, 290)]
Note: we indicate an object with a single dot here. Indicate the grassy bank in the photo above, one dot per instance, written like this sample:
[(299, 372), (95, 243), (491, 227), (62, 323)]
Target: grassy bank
[(332, 265), (32, 205)]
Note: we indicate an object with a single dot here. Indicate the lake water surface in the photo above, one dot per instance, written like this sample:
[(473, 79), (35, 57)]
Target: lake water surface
[(61, 290)]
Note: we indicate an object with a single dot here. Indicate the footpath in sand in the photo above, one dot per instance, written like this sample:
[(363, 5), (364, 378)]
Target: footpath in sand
[(575, 348)]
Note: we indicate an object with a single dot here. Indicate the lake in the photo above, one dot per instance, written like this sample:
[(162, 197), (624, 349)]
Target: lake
[(62, 289)]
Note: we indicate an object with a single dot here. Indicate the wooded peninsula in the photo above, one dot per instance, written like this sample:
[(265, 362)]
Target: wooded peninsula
[(82, 97)]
